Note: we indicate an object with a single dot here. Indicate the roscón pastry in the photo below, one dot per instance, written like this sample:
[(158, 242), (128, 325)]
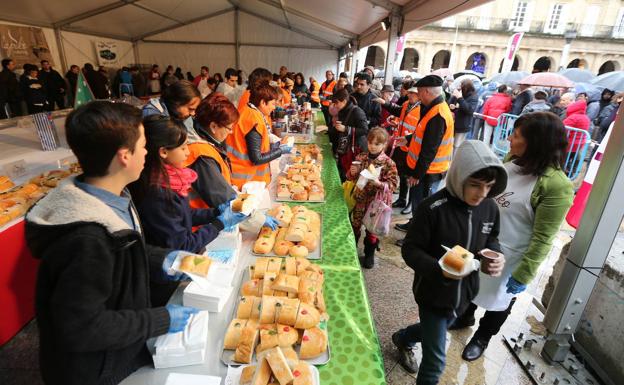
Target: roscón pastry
[(457, 258), (196, 264), (244, 203)]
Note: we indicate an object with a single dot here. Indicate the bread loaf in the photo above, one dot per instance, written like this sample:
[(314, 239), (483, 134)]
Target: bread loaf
[(298, 251), (457, 258), (245, 203), (307, 316), (245, 306), (247, 375), (266, 240), (247, 344), (287, 283), (262, 374), (233, 333), (282, 247), (260, 267), (268, 309), (196, 264), (302, 374), (279, 366), (267, 286), (286, 313), (252, 287)]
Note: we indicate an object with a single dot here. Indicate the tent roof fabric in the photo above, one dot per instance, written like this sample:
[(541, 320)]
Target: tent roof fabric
[(329, 22)]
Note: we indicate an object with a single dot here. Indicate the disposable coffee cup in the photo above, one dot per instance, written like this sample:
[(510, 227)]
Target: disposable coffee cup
[(356, 163), (487, 258)]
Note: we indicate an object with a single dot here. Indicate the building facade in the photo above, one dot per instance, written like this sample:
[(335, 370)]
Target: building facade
[(477, 39)]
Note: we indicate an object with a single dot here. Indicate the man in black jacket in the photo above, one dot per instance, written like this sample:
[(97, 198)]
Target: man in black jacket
[(54, 85), (460, 214), (93, 305), (10, 93), (365, 100), (522, 99)]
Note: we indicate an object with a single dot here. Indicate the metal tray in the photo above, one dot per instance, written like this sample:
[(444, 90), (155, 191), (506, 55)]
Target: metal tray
[(228, 355), (234, 374), (315, 255)]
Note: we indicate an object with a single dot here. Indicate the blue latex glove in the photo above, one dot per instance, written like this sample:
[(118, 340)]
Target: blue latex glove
[(271, 222), (179, 316), (228, 217), (166, 266), (286, 149), (515, 287)]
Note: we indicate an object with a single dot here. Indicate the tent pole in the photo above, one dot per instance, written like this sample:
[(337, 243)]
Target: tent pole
[(61, 48), (237, 37), (135, 49), (393, 34)]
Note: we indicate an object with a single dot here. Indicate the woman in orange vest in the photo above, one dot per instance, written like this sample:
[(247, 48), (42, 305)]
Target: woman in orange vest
[(256, 77), (248, 146), (287, 89), (315, 88), (327, 90), (214, 121)]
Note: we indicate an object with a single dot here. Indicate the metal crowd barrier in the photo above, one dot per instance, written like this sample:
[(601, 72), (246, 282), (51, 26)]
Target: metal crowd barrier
[(579, 143)]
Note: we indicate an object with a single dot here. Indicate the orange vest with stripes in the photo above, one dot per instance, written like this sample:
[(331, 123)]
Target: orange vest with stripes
[(442, 159), (208, 150), (327, 91), (314, 95), (243, 170), (408, 120)]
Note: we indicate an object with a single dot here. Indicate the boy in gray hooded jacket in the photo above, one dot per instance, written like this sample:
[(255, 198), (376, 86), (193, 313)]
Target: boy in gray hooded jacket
[(460, 214)]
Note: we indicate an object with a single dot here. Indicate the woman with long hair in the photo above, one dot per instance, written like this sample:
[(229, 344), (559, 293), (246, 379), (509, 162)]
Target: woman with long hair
[(300, 89), (532, 208), (162, 192)]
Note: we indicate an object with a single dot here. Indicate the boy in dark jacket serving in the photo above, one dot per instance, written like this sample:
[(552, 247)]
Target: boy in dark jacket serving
[(93, 287), (460, 214)]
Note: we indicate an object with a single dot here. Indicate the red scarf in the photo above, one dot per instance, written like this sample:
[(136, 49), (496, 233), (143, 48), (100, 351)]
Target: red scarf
[(180, 179)]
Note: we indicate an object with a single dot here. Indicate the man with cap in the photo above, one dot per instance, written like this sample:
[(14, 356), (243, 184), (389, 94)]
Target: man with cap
[(327, 90), (365, 97), (409, 115), (431, 144)]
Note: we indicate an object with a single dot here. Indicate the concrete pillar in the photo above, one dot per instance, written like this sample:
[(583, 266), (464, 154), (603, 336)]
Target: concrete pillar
[(424, 64), (61, 48)]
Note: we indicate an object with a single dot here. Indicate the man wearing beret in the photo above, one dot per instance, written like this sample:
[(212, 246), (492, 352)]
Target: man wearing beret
[(430, 146)]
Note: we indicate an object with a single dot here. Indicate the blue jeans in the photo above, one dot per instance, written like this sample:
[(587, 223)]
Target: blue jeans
[(427, 186), (431, 333)]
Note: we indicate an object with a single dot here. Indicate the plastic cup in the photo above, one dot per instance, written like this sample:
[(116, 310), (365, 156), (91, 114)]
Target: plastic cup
[(487, 258)]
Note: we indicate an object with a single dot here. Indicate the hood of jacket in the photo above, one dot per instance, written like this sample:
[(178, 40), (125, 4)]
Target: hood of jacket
[(578, 107), (64, 208), (470, 157)]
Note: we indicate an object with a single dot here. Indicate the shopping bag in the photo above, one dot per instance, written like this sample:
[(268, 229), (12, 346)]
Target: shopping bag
[(379, 213), (348, 191)]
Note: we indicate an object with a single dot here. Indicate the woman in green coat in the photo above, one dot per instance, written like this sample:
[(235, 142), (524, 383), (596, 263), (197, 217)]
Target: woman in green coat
[(532, 208)]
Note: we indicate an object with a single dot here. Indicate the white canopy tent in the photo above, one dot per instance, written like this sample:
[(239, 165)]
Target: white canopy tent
[(307, 36)]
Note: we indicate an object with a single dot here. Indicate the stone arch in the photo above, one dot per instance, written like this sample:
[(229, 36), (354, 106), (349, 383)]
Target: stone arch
[(578, 63), (410, 59), (544, 64), (477, 62), (375, 56), (609, 66), (514, 67), (441, 59)]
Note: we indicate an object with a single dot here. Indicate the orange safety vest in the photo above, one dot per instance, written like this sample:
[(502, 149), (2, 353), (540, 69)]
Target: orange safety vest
[(408, 120), (442, 159), (243, 170), (287, 99), (244, 99), (327, 92), (197, 150), (314, 95)]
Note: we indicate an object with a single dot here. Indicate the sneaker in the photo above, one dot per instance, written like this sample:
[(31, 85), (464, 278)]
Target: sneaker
[(407, 355), (402, 227), (407, 210), (399, 203), (399, 242)]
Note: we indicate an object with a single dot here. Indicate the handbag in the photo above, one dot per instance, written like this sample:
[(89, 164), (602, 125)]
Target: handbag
[(379, 213), (352, 151), (348, 192), (342, 141)]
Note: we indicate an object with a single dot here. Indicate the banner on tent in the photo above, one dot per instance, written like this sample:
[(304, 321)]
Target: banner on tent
[(107, 53), (24, 45), (510, 52)]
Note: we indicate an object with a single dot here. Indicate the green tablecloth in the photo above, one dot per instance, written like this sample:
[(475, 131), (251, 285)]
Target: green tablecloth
[(355, 353)]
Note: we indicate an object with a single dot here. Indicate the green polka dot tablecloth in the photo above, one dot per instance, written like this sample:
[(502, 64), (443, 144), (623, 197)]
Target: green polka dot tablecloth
[(355, 354)]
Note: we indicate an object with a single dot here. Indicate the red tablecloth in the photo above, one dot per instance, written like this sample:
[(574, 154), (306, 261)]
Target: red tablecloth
[(18, 272)]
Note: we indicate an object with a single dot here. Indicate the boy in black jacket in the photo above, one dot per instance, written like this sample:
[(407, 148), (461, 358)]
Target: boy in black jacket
[(93, 304), (460, 214)]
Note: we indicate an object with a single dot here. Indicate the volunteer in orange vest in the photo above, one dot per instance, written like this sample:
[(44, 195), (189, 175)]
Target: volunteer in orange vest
[(256, 77), (327, 90), (430, 146), (409, 115), (214, 121), (287, 88), (248, 147), (314, 89)]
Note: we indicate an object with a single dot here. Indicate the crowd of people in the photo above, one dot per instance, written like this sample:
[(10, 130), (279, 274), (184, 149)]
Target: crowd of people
[(159, 181)]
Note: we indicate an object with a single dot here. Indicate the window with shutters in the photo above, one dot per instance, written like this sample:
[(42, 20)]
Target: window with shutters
[(519, 21), (555, 22), (618, 27)]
